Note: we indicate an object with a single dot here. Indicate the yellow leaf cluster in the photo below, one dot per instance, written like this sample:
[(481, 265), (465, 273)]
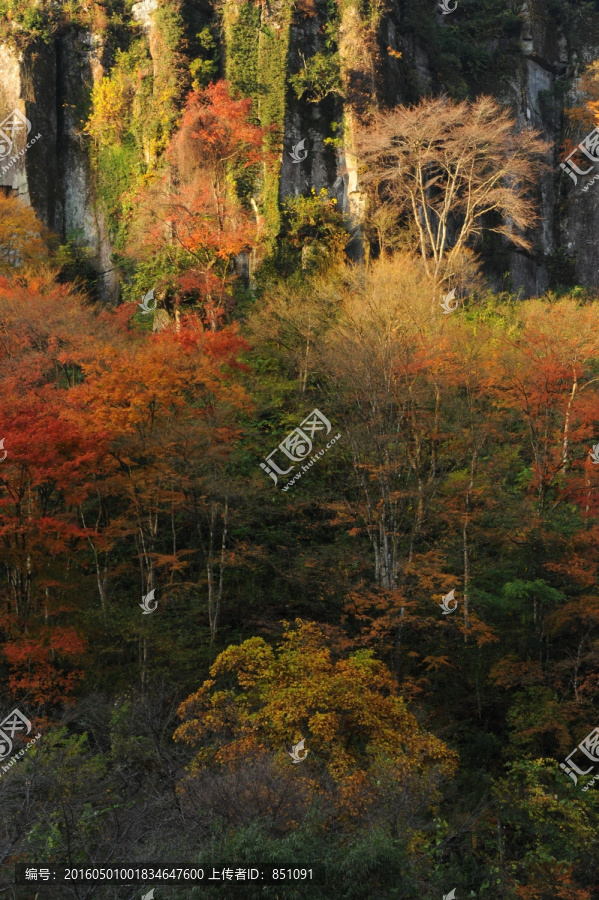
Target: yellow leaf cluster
[(348, 711)]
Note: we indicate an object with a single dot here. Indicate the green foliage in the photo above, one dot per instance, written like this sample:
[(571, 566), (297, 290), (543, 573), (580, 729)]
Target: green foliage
[(204, 68), (256, 53), (118, 168), (372, 862), (273, 49), (524, 595), (320, 74), (76, 261), (242, 24), (319, 77), (548, 830), (315, 230), (25, 21), (336, 142), (134, 111), (169, 79), (476, 49)]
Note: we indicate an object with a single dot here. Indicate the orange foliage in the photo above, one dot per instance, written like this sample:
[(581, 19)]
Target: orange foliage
[(21, 237), (195, 214), (93, 413)]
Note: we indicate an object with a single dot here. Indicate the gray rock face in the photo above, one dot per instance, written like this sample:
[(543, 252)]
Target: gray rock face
[(554, 53), (80, 63), (54, 173), (534, 95), (552, 56), (309, 122), (30, 174)]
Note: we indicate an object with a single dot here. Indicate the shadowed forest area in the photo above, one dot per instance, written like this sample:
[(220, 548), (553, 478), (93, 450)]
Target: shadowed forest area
[(299, 491)]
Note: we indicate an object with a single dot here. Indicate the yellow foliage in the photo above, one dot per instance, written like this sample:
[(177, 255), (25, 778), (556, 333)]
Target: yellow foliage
[(355, 724), (22, 248), (110, 105)]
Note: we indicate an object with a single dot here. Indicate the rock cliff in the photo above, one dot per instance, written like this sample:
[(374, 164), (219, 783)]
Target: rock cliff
[(313, 69)]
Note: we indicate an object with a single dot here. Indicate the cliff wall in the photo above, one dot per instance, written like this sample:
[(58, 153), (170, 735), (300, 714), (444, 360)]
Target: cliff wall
[(313, 69)]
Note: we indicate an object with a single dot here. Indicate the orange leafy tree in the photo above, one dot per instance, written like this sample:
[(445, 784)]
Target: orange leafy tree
[(109, 438), (49, 468), (21, 237), (168, 405), (194, 216)]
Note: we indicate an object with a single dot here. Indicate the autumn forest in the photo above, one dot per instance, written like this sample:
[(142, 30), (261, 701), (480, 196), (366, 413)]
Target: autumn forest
[(299, 478)]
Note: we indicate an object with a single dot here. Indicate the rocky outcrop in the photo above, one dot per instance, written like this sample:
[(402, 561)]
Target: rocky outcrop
[(80, 64), (27, 88), (49, 86), (381, 59), (555, 45)]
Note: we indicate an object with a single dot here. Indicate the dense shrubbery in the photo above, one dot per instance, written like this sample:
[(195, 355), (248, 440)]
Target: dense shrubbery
[(132, 465)]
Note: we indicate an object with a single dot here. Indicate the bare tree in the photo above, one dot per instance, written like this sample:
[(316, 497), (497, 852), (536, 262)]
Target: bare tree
[(452, 169)]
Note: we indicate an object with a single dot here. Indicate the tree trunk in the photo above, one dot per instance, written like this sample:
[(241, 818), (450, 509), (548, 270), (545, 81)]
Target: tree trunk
[(566, 442), (215, 595), (465, 547), (354, 58), (143, 664)]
